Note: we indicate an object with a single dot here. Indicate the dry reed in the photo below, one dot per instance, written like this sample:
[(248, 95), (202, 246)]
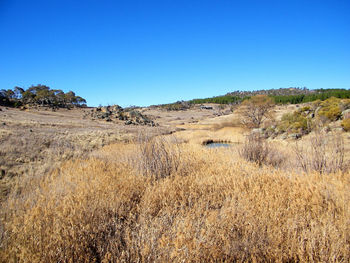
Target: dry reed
[(100, 210)]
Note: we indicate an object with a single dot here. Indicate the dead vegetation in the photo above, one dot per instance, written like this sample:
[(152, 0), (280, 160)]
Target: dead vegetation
[(36, 141), (157, 157), (159, 199), (255, 110), (324, 153), (211, 208), (258, 150)]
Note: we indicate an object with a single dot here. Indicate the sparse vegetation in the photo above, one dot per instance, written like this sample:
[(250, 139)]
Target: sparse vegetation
[(167, 198)]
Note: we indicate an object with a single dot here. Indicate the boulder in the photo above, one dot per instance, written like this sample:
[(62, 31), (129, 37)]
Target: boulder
[(294, 136), (346, 114), (129, 122), (115, 112)]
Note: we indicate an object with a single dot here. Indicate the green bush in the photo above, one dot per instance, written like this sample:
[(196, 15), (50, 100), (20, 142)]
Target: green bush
[(346, 124), (330, 109), (294, 122)]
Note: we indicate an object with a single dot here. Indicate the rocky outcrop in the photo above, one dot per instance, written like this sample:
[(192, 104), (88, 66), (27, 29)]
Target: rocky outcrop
[(116, 113)]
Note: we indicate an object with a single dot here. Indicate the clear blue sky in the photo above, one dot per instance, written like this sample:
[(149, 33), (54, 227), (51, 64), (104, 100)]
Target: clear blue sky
[(151, 52)]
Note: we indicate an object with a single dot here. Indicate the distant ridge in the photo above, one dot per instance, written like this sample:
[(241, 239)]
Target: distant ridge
[(292, 95)]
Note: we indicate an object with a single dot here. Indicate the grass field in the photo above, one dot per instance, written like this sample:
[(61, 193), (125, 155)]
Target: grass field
[(169, 198)]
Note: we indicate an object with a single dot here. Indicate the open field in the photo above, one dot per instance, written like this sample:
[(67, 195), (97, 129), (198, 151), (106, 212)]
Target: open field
[(79, 190), (213, 206), (36, 140)]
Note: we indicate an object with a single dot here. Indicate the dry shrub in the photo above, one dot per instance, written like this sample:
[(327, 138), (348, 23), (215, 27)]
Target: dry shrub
[(255, 110), (157, 157), (101, 211), (323, 153), (257, 149)]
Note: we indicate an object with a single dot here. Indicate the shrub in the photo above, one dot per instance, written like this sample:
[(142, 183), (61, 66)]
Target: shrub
[(330, 109), (324, 154), (294, 122), (346, 124), (158, 157), (256, 149)]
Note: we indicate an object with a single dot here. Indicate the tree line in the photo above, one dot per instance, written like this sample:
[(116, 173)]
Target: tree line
[(40, 95), (319, 94), (308, 96)]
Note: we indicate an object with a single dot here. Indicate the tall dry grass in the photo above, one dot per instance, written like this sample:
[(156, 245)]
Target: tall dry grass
[(323, 153), (258, 150), (211, 208), (157, 157)]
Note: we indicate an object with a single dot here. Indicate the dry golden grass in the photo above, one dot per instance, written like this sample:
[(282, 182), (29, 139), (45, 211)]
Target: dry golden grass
[(33, 142), (215, 207)]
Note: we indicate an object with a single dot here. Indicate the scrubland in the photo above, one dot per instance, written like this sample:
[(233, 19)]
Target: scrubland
[(137, 196), (211, 205), (34, 141)]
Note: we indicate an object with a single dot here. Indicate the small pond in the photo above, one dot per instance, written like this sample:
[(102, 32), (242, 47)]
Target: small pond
[(217, 145)]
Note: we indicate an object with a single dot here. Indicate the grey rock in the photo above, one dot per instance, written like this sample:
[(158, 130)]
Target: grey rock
[(129, 122), (294, 136), (346, 114)]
